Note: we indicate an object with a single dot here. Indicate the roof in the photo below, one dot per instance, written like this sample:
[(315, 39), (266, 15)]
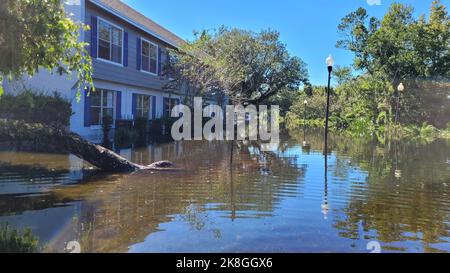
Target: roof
[(139, 20)]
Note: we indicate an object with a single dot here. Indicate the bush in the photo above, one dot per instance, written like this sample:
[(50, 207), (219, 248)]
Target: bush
[(426, 131), (35, 107), (14, 241), (141, 127), (446, 133), (124, 137)]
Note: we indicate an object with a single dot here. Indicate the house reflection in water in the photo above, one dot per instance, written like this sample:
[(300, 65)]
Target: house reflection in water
[(263, 202)]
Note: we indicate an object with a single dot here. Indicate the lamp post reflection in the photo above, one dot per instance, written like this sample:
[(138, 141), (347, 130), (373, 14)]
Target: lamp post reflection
[(397, 171), (325, 206)]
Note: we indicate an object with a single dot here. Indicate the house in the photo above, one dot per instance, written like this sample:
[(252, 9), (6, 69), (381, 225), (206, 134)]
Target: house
[(129, 52)]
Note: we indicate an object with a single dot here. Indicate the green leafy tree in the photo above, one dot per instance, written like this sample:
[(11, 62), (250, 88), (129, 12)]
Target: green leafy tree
[(315, 108), (285, 98), (396, 48), (342, 74), (37, 34), (248, 67), (399, 46)]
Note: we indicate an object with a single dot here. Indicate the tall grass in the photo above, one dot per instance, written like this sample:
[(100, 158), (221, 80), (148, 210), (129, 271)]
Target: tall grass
[(15, 241)]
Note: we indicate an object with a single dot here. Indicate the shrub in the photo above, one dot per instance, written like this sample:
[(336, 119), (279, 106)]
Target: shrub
[(35, 107), (446, 133), (14, 241), (141, 127), (124, 137), (426, 131)]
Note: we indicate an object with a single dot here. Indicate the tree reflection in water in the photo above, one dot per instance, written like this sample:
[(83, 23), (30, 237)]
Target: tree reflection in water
[(264, 201)]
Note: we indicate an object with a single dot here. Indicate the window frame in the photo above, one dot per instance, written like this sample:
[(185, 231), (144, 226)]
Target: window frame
[(141, 107), (110, 42), (170, 106), (101, 107), (157, 56)]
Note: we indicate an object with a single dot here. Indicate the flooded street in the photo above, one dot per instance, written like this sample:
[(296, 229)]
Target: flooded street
[(287, 200)]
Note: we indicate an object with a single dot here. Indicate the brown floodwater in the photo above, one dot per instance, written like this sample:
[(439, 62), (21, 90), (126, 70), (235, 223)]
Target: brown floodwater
[(288, 200)]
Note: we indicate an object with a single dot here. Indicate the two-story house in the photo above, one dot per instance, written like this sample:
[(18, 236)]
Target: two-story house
[(129, 53)]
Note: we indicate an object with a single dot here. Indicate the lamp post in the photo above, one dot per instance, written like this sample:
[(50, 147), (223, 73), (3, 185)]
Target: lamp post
[(305, 102), (330, 63), (400, 89)]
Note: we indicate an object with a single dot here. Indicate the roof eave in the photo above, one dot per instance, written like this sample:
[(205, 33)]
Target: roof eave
[(128, 20)]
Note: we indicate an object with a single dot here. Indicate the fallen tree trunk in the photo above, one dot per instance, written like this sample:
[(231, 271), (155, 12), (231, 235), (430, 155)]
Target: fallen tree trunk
[(14, 131)]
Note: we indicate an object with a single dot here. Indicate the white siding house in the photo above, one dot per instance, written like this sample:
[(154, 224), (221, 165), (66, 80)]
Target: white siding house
[(129, 52)]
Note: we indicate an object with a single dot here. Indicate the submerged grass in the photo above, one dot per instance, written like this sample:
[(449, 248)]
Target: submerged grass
[(15, 241), (363, 127)]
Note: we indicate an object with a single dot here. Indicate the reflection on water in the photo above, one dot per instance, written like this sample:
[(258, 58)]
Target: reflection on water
[(288, 200)]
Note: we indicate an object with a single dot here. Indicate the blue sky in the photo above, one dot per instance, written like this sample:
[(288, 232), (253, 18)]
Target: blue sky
[(308, 27)]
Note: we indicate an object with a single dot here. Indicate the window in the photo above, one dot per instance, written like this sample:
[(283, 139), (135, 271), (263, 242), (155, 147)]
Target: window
[(142, 106), (149, 57), (168, 105), (109, 42), (102, 105)]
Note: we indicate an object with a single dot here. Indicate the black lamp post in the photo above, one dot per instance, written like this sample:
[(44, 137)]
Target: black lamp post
[(305, 102), (400, 89), (330, 63)]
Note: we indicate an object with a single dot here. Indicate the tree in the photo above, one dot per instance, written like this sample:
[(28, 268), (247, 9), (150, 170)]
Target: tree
[(248, 67), (342, 74), (396, 48), (285, 98), (37, 34), (399, 46), (316, 103), (355, 28), (438, 40)]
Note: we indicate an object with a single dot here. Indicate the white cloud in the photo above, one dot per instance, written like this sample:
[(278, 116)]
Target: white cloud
[(374, 2)]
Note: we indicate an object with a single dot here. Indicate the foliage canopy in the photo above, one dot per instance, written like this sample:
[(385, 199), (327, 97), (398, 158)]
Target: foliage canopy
[(248, 67), (37, 34), (396, 48)]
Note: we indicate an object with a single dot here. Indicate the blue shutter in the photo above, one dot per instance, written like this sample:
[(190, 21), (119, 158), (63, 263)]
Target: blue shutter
[(118, 105), (165, 106), (94, 36), (134, 105), (87, 108), (138, 55), (153, 107), (125, 50), (159, 61)]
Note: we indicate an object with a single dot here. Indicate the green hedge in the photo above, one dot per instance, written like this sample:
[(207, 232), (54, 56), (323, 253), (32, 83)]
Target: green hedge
[(36, 107)]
